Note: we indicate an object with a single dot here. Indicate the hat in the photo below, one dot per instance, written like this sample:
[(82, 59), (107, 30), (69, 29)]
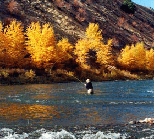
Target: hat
[(88, 80)]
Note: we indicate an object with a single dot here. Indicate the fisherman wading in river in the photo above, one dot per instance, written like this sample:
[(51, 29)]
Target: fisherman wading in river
[(89, 87)]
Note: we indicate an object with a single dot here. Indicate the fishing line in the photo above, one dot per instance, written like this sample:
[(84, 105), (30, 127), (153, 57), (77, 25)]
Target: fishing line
[(56, 61), (67, 74), (77, 79)]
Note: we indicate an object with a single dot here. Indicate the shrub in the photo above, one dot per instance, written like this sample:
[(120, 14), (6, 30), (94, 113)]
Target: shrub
[(13, 7), (4, 73), (128, 6), (30, 74)]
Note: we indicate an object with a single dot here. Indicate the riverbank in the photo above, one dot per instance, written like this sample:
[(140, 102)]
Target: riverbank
[(60, 79), (49, 80), (22, 76)]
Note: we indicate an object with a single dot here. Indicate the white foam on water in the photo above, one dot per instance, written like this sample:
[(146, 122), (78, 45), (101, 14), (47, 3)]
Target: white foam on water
[(63, 134), (115, 103), (150, 137), (10, 134), (6, 130), (37, 101), (15, 96), (102, 135), (146, 129), (77, 101), (17, 100), (7, 133), (84, 132), (152, 91), (16, 136), (57, 135)]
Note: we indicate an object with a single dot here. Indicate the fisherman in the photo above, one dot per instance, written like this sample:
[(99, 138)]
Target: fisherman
[(89, 87)]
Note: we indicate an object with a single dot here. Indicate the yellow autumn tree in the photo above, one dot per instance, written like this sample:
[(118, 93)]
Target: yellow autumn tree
[(104, 54), (81, 50), (133, 57), (150, 60), (91, 49), (41, 44), (1, 26), (12, 44), (94, 35), (2, 45), (86, 48), (65, 50)]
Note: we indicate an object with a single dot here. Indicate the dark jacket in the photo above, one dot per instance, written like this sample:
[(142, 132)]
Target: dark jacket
[(89, 85)]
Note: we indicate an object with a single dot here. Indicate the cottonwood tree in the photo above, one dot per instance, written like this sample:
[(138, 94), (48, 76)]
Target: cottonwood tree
[(91, 49), (2, 45), (12, 44), (65, 50), (41, 44), (150, 60), (135, 57), (104, 54), (85, 47)]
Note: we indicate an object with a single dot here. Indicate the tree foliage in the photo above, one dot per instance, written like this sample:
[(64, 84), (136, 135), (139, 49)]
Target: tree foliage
[(91, 48), (12, 44), (88, 44), (150, 60), (136, 57), (65, 49), (41, 44), (128, 6), (93, 33), (2, 43), (104, 54), (38, 43)]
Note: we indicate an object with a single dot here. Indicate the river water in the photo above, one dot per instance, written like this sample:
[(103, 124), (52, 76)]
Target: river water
[(64, 110)]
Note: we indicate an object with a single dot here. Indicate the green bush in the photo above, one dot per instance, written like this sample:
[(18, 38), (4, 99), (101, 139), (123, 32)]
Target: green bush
[(128, 6)]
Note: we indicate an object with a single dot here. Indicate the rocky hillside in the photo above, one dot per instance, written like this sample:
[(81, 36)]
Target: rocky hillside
[(71, 17)]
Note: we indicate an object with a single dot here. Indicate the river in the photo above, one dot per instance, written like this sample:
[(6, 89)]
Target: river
[(64, 110)]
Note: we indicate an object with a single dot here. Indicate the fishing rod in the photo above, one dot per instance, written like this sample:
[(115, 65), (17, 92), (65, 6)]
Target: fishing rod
[(67, 73), (70, 74), (56, 62), (78, 79)]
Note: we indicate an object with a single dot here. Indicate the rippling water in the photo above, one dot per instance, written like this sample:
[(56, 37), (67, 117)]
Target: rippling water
[(64, 110)]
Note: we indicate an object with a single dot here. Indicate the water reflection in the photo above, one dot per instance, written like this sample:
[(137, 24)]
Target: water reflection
[(68, 103), (91, 114), (15, 111), (42, 96)]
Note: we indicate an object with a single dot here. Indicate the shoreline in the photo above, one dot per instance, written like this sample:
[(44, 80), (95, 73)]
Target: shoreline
[(49, 80)]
